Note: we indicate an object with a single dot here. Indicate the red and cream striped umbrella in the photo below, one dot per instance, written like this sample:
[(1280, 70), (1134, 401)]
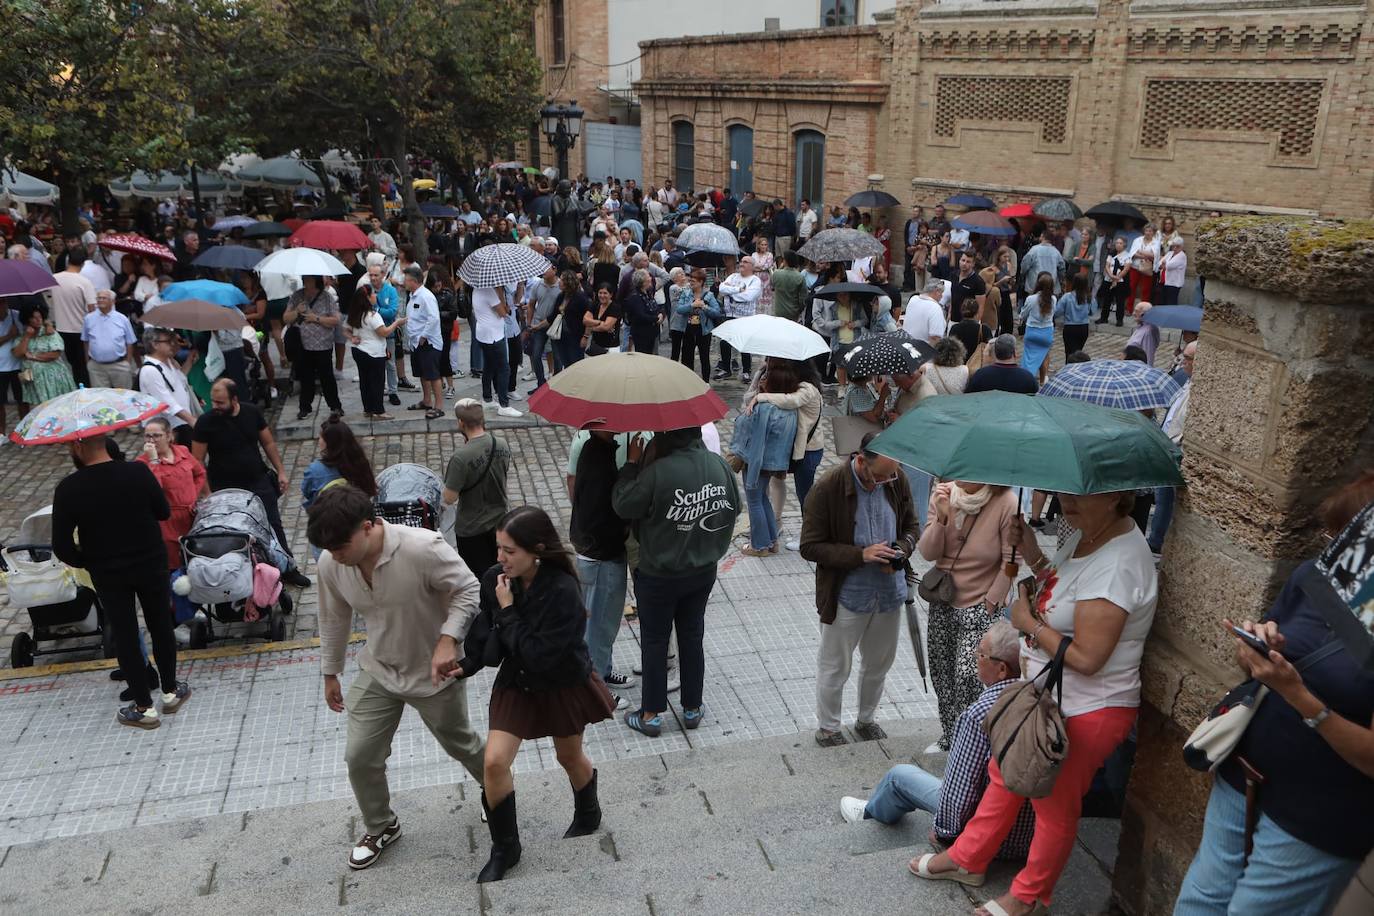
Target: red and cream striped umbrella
[(137, 244), (627, 392)]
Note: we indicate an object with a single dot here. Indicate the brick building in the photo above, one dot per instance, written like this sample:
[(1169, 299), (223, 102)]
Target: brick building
[(1178, 106)]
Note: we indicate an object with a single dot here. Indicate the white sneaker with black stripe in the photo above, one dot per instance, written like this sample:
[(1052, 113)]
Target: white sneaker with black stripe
[(617, 680)]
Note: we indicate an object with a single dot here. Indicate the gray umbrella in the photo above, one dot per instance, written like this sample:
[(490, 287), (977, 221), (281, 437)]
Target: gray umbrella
[(710, 238), (830, 245), (913, 629), (1058, 208)]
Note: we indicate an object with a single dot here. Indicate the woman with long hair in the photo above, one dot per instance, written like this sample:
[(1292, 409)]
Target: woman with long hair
[(532, 623), (368, 335), (1038, 314), (341, 457), (808, 445), (605, 269), (763, 269), (763, 440), (1076, 309), (572, 304), (441, 285), (943, 259)]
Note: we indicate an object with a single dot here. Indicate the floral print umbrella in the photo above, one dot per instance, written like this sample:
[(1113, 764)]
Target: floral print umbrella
[(84, 413)]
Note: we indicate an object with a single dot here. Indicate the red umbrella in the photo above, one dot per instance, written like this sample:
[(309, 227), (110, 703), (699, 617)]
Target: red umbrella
[(294, 223), (137, 244), (1017, 211), (329, 235)]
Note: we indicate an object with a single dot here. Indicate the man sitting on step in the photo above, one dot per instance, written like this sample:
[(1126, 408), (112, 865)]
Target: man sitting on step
[(954, 799)]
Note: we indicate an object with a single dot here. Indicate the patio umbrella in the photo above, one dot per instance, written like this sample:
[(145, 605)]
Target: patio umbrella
[(25, 188), (194, 315), (328, 234), (226, 294), (24, 278), (237, 221), (872, 198), (627, 392), (1053, 444), (1182, 317), (709, 237), (229, 257), (1123, 384), (984, 222), (280, 172), (894, 353), (1115, 209), (137, 244), (506, 165), (498, 265), (830, 245), (854, 289), (146, 184), (1017, 211), (769, 335), (434, 210), (84, 413), (1058, 208), (751, 207), (971, 202), (1341, 583), (302, 262), (267, 230)]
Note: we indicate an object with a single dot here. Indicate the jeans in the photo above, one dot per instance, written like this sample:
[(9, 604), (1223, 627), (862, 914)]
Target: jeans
[(1163, 518), (920, 483), (763, 526), (371, 380), (624, 337), (474, 350), (668, 603), (904, 789), (390, 366), (154, 592), (805, 475), (495, 372), (603, 592), (568, 347), (1283, 874), (538, 341)]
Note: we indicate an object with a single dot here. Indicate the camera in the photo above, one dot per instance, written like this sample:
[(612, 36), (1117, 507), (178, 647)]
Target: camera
[(896, 562)]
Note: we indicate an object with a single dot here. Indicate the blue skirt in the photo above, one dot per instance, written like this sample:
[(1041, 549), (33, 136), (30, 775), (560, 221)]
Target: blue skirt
[(1037, 344)]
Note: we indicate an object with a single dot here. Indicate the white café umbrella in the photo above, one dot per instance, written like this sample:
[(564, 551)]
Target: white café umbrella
[(301, 262), (769, 335)]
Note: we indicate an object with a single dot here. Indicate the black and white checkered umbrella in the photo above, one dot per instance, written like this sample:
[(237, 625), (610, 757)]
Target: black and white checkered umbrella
[(895, 353), (499, 265)]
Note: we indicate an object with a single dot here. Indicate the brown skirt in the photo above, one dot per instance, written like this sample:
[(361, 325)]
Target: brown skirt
[(542, 713)]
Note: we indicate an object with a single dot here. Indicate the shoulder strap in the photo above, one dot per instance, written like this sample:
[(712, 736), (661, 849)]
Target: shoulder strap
[(1325, 650), (960, 551), (1345, 626)]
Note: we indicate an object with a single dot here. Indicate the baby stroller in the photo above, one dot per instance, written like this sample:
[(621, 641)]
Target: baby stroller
[(229, 537), (411, 495), (59, 599)]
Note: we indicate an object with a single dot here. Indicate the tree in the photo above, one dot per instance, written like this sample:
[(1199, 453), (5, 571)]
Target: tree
[(91, 90)]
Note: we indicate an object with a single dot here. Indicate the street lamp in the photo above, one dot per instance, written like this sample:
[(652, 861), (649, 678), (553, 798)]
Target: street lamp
[(562, 125)]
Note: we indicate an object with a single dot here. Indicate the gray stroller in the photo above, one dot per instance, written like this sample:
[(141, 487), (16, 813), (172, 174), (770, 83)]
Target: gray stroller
[(230, 535), (410, 494)]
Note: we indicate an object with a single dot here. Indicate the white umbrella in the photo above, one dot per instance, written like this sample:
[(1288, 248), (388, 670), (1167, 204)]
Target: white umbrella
[(768, 335), (302, 262)]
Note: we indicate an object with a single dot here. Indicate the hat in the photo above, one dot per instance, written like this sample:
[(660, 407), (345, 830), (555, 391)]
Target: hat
[(376, 259)]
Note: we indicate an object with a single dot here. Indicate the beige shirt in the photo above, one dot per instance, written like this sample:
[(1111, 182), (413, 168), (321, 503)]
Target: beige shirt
[(421, 589), (72, 298)]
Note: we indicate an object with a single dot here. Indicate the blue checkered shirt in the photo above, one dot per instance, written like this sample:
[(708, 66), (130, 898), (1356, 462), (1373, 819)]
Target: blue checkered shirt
[(966, 778)]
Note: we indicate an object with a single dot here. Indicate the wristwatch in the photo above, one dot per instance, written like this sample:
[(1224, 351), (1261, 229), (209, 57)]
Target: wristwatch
[(1318, 719)]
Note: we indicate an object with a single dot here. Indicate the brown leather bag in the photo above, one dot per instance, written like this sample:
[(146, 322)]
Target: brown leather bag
[(980, 353), (1026, 730)]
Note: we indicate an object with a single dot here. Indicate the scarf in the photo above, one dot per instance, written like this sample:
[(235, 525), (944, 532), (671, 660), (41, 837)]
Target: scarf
[(966, 504)]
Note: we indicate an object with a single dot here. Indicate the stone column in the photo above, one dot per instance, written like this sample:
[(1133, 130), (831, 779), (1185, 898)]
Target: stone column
[(1280, 414)]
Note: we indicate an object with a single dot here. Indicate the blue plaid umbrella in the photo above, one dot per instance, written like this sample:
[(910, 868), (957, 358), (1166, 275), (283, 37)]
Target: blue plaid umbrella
[(1123, 384)]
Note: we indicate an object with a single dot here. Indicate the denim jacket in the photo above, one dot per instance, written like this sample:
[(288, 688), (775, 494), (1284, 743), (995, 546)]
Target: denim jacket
[(711, 315), (763, 440)]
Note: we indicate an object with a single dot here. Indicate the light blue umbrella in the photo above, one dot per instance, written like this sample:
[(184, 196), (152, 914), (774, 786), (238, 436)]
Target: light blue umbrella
[(1120, 383), (1183, 317), (226, 294)]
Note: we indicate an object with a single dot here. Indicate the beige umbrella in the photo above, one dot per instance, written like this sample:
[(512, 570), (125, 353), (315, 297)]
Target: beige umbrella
[(627, 392)]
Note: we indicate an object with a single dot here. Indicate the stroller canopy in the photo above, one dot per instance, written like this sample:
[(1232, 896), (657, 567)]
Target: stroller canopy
[(36, 528), (234, 511), (408, 483)]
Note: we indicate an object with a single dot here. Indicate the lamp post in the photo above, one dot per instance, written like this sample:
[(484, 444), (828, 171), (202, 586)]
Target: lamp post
[(562, 125)]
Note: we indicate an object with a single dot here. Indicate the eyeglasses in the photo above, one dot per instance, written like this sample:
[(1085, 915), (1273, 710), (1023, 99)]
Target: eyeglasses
[(992, 658)]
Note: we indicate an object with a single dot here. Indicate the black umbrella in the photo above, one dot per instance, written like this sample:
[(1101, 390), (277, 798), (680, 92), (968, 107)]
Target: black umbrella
[(436, 210), (872, 198), (328, 213), (705, 259), (752, 207), (860, 289), (894, 353), (1116, 209), (971, 202), (267, 230), (1058, 208)]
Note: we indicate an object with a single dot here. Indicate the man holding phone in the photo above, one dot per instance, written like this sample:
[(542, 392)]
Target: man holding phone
[(859, 527)]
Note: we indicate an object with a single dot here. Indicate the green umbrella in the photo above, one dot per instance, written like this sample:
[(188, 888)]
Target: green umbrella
[(1053, 444)]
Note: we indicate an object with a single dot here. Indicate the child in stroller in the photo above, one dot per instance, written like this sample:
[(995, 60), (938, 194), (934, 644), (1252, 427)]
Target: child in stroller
[(410, 494)]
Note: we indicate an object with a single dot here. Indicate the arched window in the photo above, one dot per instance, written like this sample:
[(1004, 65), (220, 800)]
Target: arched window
[(810, 166), (740, 140), (684, 155)]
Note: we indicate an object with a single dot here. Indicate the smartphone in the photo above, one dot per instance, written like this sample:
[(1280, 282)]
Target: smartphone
[(1253, 641), (1026, 587)]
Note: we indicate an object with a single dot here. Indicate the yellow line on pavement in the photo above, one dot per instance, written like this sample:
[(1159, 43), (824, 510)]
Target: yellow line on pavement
[(101, 664)]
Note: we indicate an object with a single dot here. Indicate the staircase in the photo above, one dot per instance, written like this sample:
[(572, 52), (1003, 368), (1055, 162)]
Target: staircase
[(746, 829)]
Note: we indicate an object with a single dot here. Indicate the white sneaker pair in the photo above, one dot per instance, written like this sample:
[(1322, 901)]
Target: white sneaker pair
[(509, 412)]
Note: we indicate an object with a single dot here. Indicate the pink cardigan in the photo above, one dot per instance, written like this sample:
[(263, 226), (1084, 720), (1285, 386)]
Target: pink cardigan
[(978, 573)]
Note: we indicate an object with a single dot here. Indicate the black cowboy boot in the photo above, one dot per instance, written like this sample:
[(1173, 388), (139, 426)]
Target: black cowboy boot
[(586, 810), (505, 839)]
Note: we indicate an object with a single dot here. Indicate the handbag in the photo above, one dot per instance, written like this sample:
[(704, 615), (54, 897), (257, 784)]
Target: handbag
[(1026, 730), (555, 331), (1218, 735), (980, 353), (937, 585), (26, 374)]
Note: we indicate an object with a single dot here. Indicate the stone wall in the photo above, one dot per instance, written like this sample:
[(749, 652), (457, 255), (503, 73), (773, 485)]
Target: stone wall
[(1282, 411)]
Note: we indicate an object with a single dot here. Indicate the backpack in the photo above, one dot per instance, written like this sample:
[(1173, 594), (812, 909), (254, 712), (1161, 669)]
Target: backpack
[(155, 365)]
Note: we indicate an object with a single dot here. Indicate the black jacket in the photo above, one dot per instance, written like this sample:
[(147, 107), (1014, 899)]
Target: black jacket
[(539, 641)]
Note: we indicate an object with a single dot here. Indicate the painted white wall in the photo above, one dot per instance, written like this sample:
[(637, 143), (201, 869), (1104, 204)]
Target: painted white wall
[(633, 21)]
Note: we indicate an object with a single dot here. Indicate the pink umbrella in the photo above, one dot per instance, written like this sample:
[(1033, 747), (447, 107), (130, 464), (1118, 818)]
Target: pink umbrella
[(137, 244)]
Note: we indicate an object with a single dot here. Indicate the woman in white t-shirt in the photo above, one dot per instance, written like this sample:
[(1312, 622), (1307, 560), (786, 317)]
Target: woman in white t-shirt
[(1144, 263), (368, 335), (1100, 589)]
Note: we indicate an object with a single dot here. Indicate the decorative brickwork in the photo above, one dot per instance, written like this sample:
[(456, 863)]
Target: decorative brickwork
[(1040, 100), (1007, 44), (1282, 112), (1306, 41)]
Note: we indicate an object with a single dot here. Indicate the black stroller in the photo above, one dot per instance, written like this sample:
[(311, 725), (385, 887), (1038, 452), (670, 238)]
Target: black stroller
[(59, 599), (411, 495), (229, 537)]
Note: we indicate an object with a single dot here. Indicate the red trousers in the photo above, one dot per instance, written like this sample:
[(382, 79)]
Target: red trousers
[(1092, 738), (1142, 288)]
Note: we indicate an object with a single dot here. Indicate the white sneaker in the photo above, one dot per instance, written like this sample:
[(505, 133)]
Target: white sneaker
[(674, 678), (852, 809), (527, 375), (509, 412), (515, 396), (620, 702), (934, 748), (794, 544)]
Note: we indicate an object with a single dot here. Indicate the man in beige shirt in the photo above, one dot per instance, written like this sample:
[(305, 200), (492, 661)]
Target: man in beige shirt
[(417, 599), (72, 300)]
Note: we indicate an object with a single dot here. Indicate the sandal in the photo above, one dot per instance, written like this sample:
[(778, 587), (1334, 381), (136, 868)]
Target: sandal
[(994, 908), (433, 414), (826, 738), (959, 875)]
